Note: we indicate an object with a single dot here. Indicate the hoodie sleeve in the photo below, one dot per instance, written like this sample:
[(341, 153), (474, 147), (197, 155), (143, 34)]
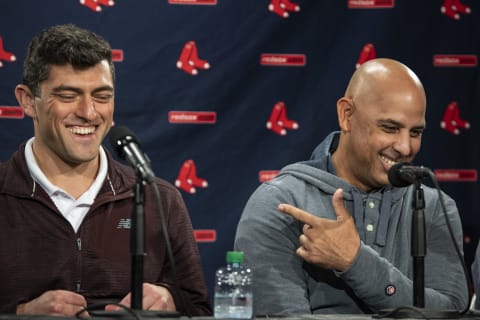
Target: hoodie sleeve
[(384, 286), (269, 239)]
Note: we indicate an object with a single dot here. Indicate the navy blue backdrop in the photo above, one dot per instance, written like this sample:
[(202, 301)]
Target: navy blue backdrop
[(204, 84)]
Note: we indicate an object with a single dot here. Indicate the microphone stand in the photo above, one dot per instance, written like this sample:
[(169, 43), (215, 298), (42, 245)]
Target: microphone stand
[(137, 244), (137, 248), (419, 250), (418, 246)]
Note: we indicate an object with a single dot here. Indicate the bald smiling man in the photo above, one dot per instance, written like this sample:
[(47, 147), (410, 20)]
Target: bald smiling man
[(331, 235)]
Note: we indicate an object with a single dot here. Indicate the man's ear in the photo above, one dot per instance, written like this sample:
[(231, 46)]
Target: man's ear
[(26, 99), (345, 110)]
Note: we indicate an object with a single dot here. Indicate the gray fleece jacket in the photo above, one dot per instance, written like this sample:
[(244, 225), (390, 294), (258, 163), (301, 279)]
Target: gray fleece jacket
[(381, 275)]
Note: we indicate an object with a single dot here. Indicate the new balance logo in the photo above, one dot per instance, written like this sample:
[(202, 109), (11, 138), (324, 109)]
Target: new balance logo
[(124, 223)]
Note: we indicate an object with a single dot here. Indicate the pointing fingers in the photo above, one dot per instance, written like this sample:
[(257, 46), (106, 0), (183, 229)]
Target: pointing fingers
[(311, 220), (299, 214)]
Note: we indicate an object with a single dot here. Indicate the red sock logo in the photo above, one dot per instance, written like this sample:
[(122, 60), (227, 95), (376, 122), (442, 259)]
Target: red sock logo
[(95, 5), (278, 121), (451, 120), (5, 55), (189, 60), (282, 7), (453, 9), (187, 178), (368, 53)]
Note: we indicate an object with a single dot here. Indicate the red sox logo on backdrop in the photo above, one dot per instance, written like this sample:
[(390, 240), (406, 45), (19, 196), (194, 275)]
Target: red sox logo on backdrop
[(96, 5), (453, 9), (283, 7), (451, 121), (278, 121), (187, 178), (189, 60)]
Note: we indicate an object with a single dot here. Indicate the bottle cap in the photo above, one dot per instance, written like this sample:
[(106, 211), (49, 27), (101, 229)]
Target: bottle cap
[(234, 256)]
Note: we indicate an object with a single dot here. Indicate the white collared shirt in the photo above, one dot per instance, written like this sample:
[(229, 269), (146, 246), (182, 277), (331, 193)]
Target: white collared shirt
[(74, 210)]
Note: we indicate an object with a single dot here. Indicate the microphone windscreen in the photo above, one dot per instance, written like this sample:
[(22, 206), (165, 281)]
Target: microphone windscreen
[(119, 137), (395, 177)]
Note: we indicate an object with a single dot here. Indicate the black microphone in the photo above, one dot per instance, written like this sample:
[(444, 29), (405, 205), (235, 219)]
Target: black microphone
[(127, 147), (403, 174)]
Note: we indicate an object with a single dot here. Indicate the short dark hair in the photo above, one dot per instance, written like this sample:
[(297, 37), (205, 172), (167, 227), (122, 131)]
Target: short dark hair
[(63, 45)]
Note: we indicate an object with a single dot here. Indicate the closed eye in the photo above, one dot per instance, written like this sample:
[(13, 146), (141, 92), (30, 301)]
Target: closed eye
[(389, 128), (66, 97), (416, 133), (103, 98)]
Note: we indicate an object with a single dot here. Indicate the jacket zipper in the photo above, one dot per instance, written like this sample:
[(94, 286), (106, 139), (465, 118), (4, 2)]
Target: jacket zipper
[(78, 282)]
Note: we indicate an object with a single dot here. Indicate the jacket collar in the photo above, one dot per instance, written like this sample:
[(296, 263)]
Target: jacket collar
[(15, 177)]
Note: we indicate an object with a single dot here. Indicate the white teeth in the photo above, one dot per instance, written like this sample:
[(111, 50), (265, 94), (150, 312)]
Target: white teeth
[(388, 161), (82, 130)]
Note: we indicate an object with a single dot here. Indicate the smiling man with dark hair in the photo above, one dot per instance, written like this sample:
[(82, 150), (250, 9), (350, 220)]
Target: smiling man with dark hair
[(64, 243)]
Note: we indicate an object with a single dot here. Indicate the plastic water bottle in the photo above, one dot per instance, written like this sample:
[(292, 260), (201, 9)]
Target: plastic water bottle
[(233, 289)]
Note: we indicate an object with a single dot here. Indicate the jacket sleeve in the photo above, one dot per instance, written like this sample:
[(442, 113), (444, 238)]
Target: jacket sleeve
[(192, 297), (269, 240), (385, 286)]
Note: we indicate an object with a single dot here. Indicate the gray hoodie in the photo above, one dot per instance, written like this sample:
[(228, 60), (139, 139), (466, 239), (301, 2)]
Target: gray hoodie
[(381, 274)]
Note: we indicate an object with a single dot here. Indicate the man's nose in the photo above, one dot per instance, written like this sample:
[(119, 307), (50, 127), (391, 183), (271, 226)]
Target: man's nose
[(403, 144), (86, 108)]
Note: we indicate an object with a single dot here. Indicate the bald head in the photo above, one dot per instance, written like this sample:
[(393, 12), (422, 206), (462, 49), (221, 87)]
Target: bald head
[(381, 117), (378, 77)]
